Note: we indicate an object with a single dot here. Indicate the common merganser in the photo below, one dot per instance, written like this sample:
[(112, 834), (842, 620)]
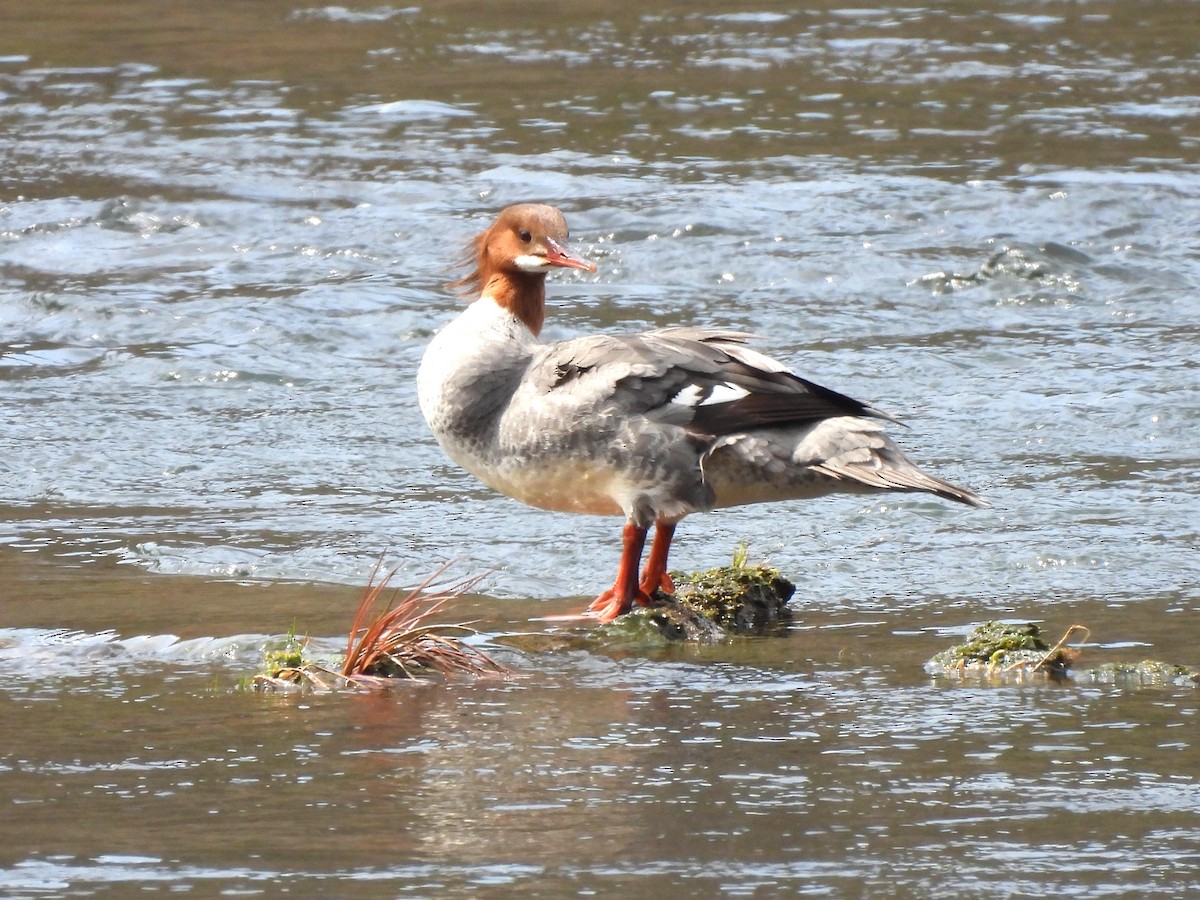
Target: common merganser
[(651, 426)]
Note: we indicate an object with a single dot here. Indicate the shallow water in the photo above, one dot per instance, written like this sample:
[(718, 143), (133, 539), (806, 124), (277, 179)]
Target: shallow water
[(223, 236)]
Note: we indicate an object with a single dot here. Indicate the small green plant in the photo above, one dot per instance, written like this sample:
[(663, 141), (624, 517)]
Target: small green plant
[(741, 555), (287, 653)]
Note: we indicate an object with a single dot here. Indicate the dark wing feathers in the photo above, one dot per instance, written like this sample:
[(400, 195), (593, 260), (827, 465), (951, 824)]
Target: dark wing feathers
[(704, 380), (767, 410)]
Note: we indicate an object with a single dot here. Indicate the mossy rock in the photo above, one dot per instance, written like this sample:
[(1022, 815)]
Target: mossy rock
[(708, 607), (1001, 651), (995, 648), (741, 599), (1148, 672)]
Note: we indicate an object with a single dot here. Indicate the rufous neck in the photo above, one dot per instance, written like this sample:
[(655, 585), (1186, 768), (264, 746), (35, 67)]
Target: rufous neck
[(523, 295)]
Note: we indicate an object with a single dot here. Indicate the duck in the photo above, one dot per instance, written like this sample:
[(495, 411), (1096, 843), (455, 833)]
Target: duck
[(651, 427)]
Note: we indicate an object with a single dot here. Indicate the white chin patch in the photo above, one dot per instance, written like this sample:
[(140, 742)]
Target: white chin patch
[(530, 263)]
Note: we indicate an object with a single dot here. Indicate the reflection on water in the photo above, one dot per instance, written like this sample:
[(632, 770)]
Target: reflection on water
[(824, 757), (223, 234)]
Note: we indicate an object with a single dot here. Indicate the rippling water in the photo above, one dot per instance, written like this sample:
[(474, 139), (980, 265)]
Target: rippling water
[(224, 231)]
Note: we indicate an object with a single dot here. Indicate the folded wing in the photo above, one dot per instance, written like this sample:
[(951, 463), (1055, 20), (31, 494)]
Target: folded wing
[(704, 380)]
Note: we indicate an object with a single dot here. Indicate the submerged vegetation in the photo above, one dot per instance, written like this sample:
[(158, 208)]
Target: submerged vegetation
[(392, 637)]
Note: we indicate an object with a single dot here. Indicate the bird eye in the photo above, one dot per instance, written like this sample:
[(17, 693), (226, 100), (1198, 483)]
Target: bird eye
[(525, 236)]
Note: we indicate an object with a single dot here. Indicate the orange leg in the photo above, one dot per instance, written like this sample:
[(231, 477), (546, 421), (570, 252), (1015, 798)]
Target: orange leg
[(654, 576), (618, 599)]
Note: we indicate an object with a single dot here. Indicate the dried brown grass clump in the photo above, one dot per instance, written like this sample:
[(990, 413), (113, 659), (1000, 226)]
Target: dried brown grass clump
[(397, 640)]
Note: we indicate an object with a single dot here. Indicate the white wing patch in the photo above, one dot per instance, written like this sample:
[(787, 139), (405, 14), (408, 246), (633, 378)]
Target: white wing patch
[(754, 359), (694, 395)]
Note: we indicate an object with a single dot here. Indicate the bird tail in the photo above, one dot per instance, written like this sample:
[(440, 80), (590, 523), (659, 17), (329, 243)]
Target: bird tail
[(887, 468)]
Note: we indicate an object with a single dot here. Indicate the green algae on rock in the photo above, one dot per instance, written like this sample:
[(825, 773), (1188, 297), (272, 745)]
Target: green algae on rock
[(996, 648), (1147, 673), (708, 607), (1001, 651), (740, 598)]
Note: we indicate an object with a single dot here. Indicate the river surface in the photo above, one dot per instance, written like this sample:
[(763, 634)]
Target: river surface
[(224, 233)]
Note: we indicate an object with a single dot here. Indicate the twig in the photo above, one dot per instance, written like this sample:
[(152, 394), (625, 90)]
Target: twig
[(1087, 633)]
